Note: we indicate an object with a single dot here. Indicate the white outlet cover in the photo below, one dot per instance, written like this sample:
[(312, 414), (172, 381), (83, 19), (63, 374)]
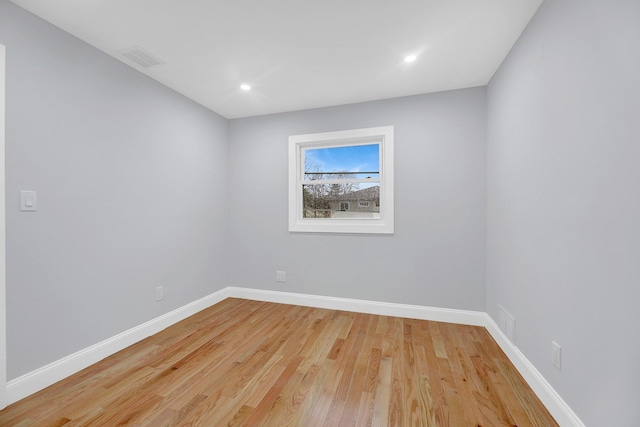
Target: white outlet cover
[(28, 201), (281, 276)]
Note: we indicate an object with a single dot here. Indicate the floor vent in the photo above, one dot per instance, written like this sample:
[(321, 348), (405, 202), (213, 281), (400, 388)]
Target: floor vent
[(141, 57)]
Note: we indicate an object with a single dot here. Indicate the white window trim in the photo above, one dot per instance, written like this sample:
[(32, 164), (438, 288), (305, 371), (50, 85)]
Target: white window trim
[(379, 135)]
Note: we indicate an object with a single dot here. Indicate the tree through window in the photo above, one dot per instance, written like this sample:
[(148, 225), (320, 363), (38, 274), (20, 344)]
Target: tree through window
[(339, 182)]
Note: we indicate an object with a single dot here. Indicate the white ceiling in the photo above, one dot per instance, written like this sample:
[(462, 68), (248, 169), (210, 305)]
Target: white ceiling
[(300, 54)]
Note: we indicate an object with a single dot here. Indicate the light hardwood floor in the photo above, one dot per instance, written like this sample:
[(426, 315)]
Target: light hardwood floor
[(248, 363)]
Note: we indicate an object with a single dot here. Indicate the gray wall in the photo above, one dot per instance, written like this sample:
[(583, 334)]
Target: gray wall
[(131, 180), (564, 201), (435, 257)]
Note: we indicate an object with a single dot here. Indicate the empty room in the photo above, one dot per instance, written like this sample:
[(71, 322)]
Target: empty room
[(320, 213)]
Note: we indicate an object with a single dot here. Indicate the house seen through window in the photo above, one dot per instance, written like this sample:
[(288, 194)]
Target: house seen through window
[(340, 182)]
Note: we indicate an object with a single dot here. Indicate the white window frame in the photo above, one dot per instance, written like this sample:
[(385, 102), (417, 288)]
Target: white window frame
[(383, 136), (363, 203)]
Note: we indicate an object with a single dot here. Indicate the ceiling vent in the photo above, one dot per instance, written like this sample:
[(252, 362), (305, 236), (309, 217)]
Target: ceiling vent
[(141, 57)]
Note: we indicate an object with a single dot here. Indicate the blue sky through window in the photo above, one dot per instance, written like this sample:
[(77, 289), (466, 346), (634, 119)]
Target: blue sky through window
[(354, 158)]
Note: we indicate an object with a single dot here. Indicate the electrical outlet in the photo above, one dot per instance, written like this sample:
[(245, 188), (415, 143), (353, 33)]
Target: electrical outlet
[(281, 276), (556, 355), (159, 293)]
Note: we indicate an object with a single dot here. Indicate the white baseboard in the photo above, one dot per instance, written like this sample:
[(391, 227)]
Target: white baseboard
[(34, 381), (463, 317), (43, 377)]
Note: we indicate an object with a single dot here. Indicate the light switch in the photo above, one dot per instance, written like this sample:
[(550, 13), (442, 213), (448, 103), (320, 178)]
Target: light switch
[(28, 201)]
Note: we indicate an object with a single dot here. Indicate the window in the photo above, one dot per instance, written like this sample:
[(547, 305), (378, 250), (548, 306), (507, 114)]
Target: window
[(342, 182)]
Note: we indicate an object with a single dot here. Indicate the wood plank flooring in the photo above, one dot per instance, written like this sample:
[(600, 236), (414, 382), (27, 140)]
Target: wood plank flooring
[(248, 363)]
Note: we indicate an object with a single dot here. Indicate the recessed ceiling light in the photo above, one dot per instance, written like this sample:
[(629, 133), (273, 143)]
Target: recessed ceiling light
[(409, 58), (245, 87)]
